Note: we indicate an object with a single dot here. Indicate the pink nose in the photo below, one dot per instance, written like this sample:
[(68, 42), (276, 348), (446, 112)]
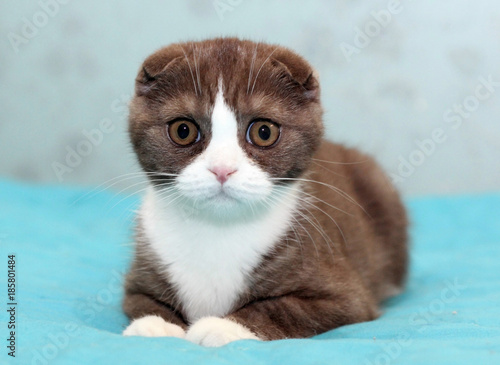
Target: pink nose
[(222, 173)]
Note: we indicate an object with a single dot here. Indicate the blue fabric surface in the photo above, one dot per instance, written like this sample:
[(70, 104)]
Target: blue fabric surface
[(73, 246)]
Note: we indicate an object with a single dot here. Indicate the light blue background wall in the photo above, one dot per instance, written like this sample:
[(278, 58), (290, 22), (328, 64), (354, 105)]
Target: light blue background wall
[(79, 68)]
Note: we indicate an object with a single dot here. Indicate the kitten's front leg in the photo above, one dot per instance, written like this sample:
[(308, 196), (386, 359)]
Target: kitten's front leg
[(283, 317), (151, 319)]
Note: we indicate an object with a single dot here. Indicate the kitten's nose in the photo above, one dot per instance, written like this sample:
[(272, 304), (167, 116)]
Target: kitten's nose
[(222, 173)]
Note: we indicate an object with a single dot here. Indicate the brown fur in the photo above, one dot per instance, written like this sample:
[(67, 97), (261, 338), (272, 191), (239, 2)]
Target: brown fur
[(348, 250)]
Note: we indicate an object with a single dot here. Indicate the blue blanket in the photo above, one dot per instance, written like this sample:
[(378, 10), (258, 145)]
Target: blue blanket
[(73, 246)]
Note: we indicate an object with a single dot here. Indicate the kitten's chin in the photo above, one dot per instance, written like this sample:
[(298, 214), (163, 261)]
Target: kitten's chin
[(224, 207)]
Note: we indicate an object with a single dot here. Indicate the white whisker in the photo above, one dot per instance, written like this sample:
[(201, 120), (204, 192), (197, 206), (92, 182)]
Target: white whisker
[(258, 72), (190, 70), (339, 191), (197, 69), (341, 163), (250, 72)]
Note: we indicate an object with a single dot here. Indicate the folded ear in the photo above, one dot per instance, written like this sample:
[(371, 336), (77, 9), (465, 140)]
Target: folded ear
[(154, 66), (300, 71)]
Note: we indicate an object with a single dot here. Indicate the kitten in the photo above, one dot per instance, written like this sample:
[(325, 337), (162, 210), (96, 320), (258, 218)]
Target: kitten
[(254, 226)]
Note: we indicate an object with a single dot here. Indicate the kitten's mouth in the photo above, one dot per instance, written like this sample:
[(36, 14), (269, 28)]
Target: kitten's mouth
[(226, 199), (222, 196), (221, 204)]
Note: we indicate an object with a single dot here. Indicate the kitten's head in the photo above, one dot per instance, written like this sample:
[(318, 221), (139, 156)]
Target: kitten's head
[(223, 124)]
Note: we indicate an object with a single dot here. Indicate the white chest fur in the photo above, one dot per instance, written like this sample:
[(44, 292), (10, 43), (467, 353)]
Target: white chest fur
[(208, 264)]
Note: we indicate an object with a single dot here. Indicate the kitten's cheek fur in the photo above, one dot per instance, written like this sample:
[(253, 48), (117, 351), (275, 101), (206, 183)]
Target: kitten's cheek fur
[(215, 332), (153, 326)]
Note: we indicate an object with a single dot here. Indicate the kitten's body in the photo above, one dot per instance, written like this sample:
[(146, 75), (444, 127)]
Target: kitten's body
[(303, 237)]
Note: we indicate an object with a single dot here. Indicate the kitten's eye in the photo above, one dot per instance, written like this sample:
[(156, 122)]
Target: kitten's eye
[(183, 132), (263, 133)]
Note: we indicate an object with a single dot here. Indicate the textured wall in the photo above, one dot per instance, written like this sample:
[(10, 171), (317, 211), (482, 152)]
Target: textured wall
[(417, 83)]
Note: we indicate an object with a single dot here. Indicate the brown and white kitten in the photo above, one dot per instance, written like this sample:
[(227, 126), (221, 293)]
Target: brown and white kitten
[(254, 226)]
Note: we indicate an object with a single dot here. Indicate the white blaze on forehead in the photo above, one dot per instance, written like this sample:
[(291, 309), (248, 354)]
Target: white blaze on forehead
[(223, 148)]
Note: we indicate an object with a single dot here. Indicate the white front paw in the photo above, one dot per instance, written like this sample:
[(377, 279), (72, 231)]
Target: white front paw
[(215, 332), (153, 326)]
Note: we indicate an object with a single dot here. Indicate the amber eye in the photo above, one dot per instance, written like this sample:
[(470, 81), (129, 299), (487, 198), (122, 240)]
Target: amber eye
[(183, 132), (263, 133)]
